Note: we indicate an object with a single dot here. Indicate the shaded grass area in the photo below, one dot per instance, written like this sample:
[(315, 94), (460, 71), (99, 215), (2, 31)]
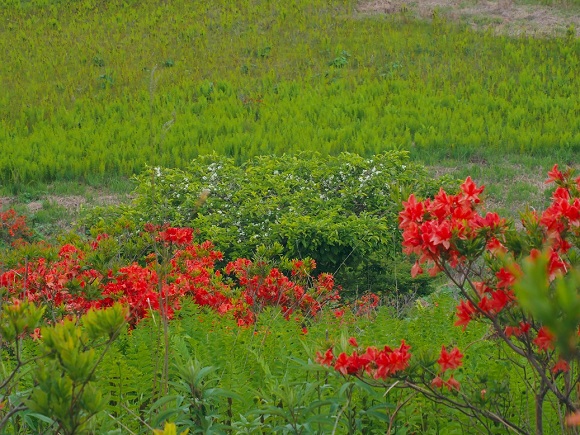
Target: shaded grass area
[(53, 209)]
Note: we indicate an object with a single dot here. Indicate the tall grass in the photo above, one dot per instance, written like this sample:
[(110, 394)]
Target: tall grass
[(255, 77)]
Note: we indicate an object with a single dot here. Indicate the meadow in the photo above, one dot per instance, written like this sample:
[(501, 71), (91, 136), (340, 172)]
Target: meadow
[(206, 204), (93, 91)]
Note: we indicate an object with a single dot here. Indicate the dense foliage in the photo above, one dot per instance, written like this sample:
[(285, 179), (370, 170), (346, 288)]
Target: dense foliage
[(522, 283), (230, 350), (94, 89), (174, 267), (340, 211)]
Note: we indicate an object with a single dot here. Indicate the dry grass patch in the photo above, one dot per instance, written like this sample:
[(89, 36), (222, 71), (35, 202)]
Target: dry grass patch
[(501, 16)]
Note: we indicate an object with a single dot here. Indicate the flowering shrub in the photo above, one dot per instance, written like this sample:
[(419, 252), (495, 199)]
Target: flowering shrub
[(13, 227), (176, 268), (366, 305), (338, 210), (522, 283), (61, 284), (379, 364), (262, 287)]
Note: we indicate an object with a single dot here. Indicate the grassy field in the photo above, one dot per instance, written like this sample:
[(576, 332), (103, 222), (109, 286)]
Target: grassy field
[(94, 93)]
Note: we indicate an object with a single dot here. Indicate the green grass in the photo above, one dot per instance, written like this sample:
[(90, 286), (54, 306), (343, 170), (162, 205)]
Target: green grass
[(54, 208), (96, 90), (513, 183)]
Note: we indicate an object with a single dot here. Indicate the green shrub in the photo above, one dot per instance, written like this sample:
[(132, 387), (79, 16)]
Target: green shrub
[(341, 211)]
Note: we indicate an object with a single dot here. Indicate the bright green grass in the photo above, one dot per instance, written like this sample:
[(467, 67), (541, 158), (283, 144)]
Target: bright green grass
[(94, 90)]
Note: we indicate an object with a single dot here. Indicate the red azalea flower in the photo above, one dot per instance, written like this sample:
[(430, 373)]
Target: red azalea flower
[(471, 191), (442, 205), (499, 299), (556, 265), (412, 212), (561, 366), (349, 364), (555, 175), (389, 361), (505, 278), (452, 384), (441, 235), (545, 339), (524, 327), (465, 313), (495, 246), (412, 239), (449, 360), (36, 335), (573, 419), (437, 382), (179, 236), (326, 359), (416, 270), (341, 364), (493, 221)]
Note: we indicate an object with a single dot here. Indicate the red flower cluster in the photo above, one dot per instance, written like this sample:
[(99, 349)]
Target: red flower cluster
[(61, 283), (518, 331), (440, 230), (97, 242), (561, 366), (13, 226), (481, 255), (366, 305), (545, 339), (191, 274), (178, 236), (449, 384), (263, 286), (71, 286), (449, 234), (302, 268), (380, 364), (448, 361), (447, 231), (562, 217)]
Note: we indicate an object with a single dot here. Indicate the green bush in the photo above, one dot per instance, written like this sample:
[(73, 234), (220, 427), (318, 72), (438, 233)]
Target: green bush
[(340, 211)]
